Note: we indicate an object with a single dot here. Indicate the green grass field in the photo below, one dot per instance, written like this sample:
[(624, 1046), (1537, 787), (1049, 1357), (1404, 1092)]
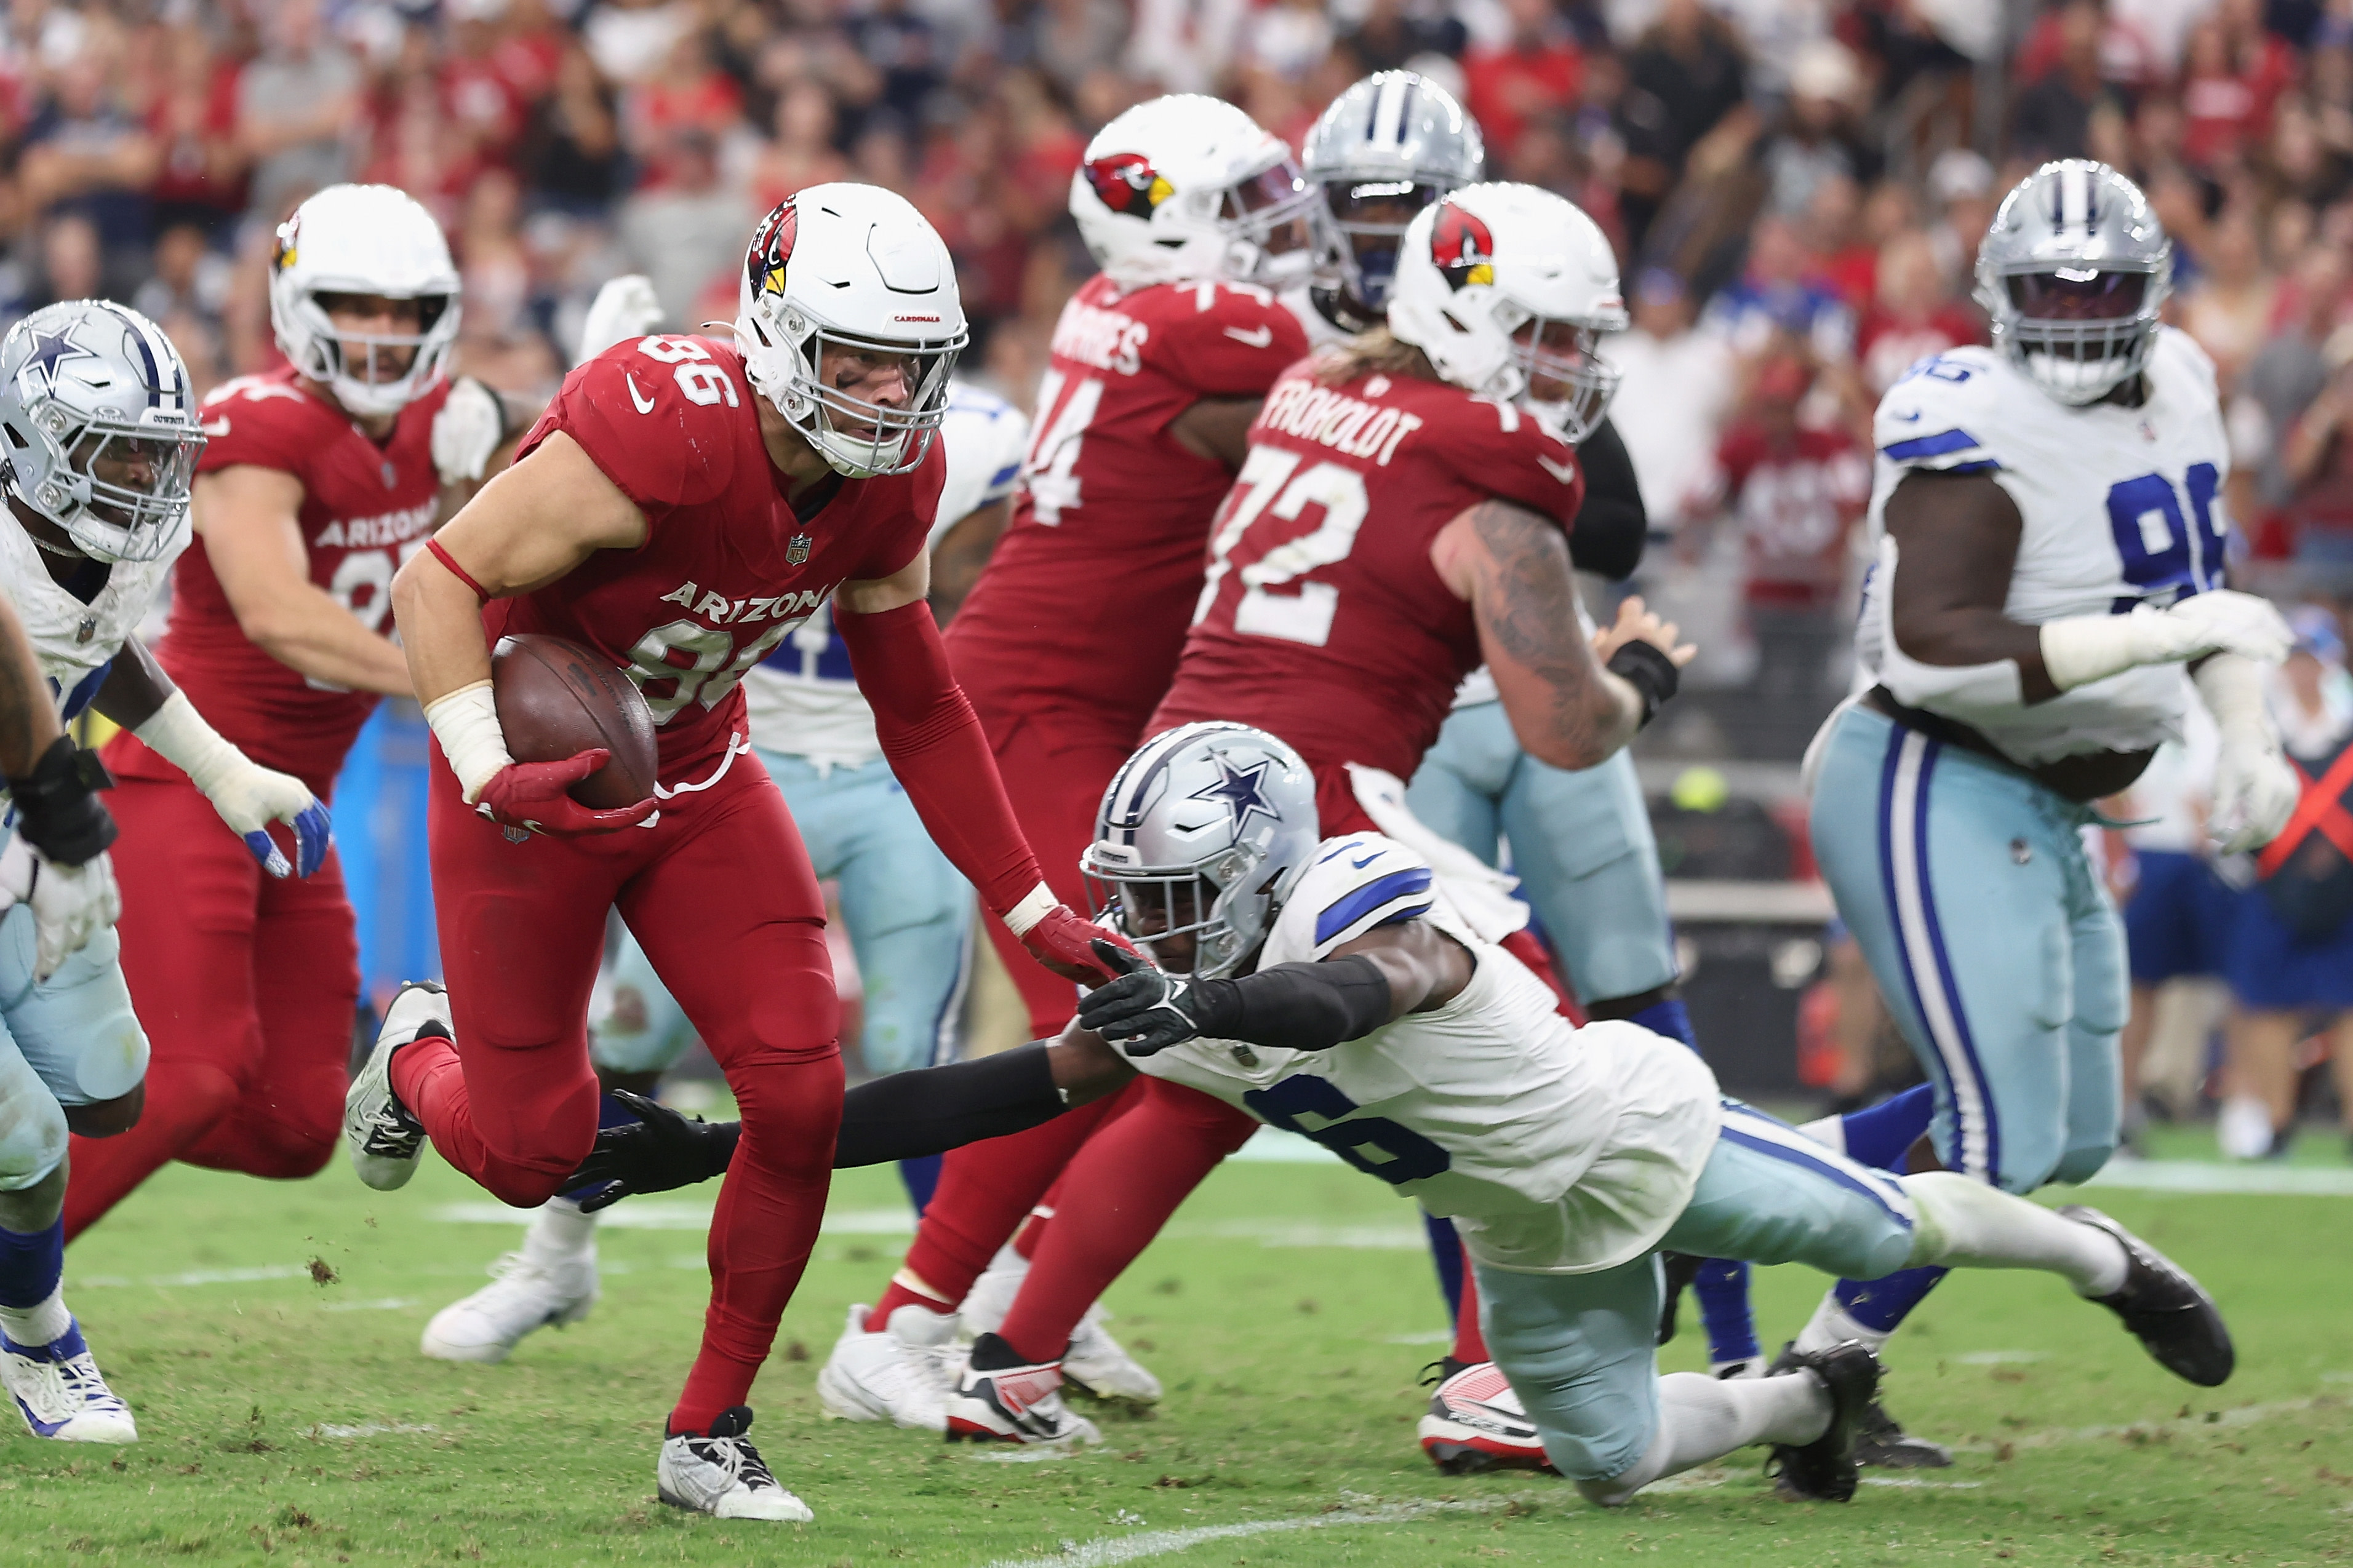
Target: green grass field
[(266, 1336)]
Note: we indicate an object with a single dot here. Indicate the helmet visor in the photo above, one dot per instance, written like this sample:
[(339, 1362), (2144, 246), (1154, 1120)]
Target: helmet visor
[(2068, 294), (139, 475), (1568, 382), (1280, 212), (1372, 215)]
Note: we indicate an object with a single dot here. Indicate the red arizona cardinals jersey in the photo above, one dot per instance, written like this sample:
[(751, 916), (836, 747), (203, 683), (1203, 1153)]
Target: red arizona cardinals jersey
[(365, 509), (1323, 620), (1085, 603), (728, 568)]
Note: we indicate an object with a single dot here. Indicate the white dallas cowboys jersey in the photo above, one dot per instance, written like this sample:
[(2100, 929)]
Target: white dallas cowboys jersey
[(803, 699), (2121, 506), (1554, 1149), (75, 641)]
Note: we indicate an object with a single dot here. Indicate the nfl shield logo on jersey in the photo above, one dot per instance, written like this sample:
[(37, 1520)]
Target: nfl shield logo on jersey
[(797, 549)]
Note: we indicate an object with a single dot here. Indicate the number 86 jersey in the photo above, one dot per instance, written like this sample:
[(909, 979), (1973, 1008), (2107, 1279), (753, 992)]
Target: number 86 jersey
[(1554, 1149), (2121, 506)]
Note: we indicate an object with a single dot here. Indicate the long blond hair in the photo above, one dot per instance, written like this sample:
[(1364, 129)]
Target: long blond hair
[(1377, 350)]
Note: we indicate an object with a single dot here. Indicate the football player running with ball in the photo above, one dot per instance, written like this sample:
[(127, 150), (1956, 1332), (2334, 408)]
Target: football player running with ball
[(2050, 549), (683, 505), (317, 481), (96, 405)]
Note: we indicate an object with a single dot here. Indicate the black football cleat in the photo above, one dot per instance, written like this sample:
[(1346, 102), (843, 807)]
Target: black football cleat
[(2164, 1308), (1824, 1470), (1879, 1440)]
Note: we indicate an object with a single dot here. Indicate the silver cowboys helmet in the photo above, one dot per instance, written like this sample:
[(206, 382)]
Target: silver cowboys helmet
[(101, 425), (1386, 148), (2074, 272), (1204, 832)]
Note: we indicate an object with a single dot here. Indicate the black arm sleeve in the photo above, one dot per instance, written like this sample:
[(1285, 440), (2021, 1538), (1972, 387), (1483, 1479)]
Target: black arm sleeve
[(933, 1110), (1611, 526), (1298, 1007)]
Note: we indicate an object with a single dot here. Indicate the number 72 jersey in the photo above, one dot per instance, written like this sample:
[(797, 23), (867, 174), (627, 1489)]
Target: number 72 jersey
[(2121, 506)]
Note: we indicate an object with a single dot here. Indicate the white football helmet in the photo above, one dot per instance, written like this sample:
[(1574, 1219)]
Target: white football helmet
[(1188, 189), (854, 269), (363, 239), (2074, 273), (101, 432), (1507, 287), (1209, 826)]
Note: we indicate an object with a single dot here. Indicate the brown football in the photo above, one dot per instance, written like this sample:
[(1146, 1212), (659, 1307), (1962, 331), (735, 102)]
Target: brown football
[(557, 700)]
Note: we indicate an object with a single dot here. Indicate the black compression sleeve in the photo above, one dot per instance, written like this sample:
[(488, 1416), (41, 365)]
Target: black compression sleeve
[(933, 1110), (1611, 526), (1297, 1006)]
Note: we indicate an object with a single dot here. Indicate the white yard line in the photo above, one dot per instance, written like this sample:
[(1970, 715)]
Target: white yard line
[(1109, 1549)]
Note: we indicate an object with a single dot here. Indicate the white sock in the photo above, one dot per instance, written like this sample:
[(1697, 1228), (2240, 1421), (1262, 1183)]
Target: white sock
[(1700, 1419), (1982, 1228), (560, 1233), (39, 1324), (1008, 1260), (1831, 1325)]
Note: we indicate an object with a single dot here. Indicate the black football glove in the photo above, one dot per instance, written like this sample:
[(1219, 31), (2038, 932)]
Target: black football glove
[(657, 1152), (1145, 1009)]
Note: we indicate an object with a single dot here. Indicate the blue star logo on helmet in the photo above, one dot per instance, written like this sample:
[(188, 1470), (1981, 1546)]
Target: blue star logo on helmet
[(1242, 791), (52, 347)]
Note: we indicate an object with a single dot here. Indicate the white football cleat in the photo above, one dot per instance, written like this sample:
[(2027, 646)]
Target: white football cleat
[(1476, 1423), (999, 1397), (59, 1392), (720, 1473), (900, 1373), (384, 1135), (524, 1294), (1095, 1364)]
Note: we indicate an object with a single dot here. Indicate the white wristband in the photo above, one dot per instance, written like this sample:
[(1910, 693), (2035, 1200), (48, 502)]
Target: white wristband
[(1035, 906), (2081, 649), (2232, 687), (179, 734), (466, 722)]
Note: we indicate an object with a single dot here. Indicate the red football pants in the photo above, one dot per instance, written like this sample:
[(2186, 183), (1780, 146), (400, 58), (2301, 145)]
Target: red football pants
[(719, 894), (1056, 767), (246, 986)]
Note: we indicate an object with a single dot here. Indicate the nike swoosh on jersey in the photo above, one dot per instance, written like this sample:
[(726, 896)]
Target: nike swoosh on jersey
[(1256, 337), (217, 428), (1360, 865), (645, 405), (1565, 472), (1911, 418)]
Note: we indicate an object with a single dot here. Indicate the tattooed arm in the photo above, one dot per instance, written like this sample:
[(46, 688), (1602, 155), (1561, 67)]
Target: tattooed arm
[(1512, 564), (28, 712)]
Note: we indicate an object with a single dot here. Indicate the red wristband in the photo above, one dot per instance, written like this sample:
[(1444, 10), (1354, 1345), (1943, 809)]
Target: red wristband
[(457, 571)]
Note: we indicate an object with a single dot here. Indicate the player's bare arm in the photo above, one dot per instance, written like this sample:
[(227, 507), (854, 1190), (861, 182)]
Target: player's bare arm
[(248, 519), (962, 553), (1217, 428), (135, 688), (1511, 563), (532, 524), (1956, 537), (28, 714)]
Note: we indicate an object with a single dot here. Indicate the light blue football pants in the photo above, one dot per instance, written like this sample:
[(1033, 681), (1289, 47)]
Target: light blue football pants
[(1996, 946), (909, 913), (1581, 846), (1580, 1349), (72, 1041)]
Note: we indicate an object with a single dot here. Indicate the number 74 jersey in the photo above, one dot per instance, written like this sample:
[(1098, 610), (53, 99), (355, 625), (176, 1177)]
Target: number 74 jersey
[(2121, 506), (1555, 1149)]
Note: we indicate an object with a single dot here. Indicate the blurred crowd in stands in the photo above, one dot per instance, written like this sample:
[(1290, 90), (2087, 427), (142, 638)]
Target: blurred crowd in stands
[(1796, 186)]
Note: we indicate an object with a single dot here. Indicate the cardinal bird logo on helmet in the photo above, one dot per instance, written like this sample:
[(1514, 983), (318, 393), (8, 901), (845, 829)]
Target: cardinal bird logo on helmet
[(1128, 184), (1463, 247), (772, 247)]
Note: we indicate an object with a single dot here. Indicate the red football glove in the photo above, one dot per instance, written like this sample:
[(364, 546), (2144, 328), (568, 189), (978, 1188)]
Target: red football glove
[(1060, 938), (532, 796)]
